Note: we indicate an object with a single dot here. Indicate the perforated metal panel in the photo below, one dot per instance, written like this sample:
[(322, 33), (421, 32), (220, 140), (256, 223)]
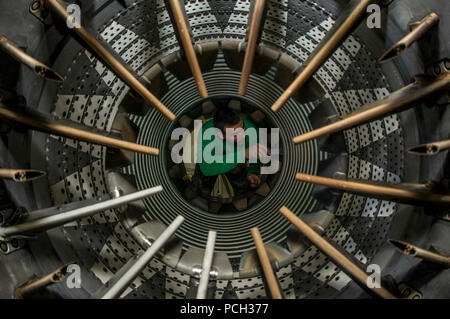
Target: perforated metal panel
[(142, 34)]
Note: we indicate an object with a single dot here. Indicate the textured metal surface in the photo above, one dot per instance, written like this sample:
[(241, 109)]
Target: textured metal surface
[(142, 35)]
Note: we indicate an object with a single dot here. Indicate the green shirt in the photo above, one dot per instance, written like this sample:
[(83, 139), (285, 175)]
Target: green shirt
[(228, 160)]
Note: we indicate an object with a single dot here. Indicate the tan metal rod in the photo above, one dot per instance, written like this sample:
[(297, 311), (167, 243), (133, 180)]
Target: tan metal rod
[(416, 194), (430, 148), (325, 49), (34, 65), (418, 32), (37, 284), (396, 102), (269, 274), (250, 52), (347, 266), (186, 41), (411, 250), (53, 127), (21, 175), (110, 61)]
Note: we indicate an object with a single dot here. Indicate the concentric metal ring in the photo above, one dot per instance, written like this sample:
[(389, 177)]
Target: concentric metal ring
[(233, 230)]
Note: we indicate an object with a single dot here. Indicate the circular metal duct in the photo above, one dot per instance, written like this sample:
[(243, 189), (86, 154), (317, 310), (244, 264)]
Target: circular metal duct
[(142, 35)]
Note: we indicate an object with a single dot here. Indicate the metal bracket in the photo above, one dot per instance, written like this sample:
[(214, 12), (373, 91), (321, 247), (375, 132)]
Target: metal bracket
[(8, 247), (40, 11), (437, 69), (407, 292)]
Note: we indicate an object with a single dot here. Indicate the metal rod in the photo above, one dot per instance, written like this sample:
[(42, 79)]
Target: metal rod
[(54, 127), (251, 45), (21, 175), (37, 284), (127, 278), (186, 41), (53, 221), (396, 102), (269, 274), (416, 194), (57, 210), (417, 32), (347, 266), (34, 65), (326, 48), (109, 60), (206, 265), (411, 250), (430, 148)]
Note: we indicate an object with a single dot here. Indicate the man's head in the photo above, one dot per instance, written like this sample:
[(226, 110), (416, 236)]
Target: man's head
[(226, 118)]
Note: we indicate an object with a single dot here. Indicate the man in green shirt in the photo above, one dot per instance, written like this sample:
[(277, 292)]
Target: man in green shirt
[(228, 145)]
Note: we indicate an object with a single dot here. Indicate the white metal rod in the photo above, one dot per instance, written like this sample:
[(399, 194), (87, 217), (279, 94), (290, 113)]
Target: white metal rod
[(64, 218), (57, 210), (122, 284), (206, 265)]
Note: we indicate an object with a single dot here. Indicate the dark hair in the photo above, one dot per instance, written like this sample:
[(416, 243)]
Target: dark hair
[(225, 116)]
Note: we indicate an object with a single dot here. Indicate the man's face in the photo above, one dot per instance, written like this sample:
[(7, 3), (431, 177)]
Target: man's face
[(238, 131)]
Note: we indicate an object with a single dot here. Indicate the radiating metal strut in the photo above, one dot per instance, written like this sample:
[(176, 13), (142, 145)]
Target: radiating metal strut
[(37, 284), (415, 194), (346, 23), (34, 65), (55, 220), (271, 279), (396, 102), (250, 51), (430, 148), (21, 175), (347, 266), (186, 41), (206, 265), (93, 45), (414, 251), (120, 283), (61, 128), (418, 31)]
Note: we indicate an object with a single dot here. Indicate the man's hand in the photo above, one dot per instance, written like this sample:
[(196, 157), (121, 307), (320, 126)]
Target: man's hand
[(257, 150), (254, 180)]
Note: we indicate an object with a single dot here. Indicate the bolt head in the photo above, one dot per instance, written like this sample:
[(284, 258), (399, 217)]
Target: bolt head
[(36, 5), (447, 65), (4, 246)]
